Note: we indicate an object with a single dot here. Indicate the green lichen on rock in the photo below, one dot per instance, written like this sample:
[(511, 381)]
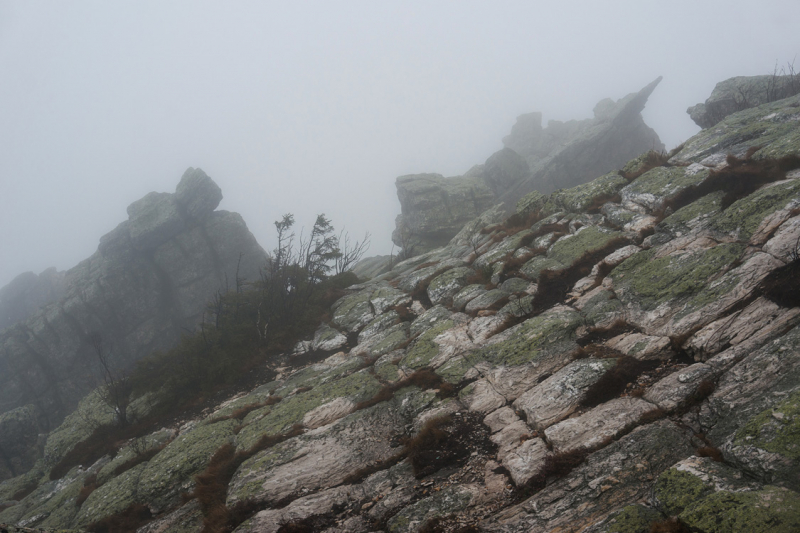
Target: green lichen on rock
[(429, 319), (443, 287), (132, 450), (549, 333), (676, 490), (569, 249), (91, 412), (632, 519), (112, 497), (357, 387), (531, 202), (743, 217), (534, 267), (579, 199), (443, 503), (602, 308), (663, 182), (171, 472), (353, 311), (423, 350), (503, 249), (772, 126), (389, 340), (652, 281), (692, 215), (770, 510), (776, 430)]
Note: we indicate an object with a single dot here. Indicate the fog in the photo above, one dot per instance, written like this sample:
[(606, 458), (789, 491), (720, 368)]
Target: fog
[(316, 107)]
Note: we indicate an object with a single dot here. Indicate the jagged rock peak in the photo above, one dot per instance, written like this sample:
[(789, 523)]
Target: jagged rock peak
[(564, 154), (149, 281), (159, 216)]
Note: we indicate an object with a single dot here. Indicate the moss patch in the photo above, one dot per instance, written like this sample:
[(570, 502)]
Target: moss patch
[(771, 510), (633, 519), (549, 333), (357, 387), (170, 472), (776, 430), (568, 249), (663, 182), (744, 216), (655, 281), (585, 196), (677, 490), (424, 349)]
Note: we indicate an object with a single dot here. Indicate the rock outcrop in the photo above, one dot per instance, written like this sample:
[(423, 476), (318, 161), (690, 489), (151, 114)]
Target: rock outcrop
[(28, 292), (562, 155), (149, 280), (740, 93), (628, 368)]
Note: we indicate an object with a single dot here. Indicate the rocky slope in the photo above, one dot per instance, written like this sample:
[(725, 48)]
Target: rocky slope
[(615, 355), (150, 278), (562, 155)]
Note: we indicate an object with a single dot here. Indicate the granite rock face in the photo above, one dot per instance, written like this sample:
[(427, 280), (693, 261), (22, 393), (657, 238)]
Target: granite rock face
[(740, 93), (562, 155), (150, 278), (624, 362), (26, 293)]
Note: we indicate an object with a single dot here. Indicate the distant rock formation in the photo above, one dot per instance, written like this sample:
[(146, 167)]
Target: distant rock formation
[(740, 93), (149, 280), (564, 154), (26, 293)]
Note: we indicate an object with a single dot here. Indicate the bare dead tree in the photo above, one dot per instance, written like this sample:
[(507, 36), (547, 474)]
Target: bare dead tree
[(117, 387), (349, 253)]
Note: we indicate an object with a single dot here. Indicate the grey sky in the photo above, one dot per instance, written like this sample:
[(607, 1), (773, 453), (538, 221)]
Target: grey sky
[(310, 107)]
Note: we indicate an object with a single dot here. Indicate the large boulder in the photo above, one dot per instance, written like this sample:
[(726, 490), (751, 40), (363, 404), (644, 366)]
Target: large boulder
[(149, 281), (740, 93)]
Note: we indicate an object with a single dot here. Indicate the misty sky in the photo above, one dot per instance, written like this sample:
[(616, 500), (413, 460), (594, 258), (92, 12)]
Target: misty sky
[(311, 107)]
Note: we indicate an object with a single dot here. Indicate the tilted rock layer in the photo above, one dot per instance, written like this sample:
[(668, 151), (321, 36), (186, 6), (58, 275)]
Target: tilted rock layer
[(601, 369), (562, 155)]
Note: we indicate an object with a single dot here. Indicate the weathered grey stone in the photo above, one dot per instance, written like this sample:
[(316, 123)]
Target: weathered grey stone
[(488, 300), (28, 292), (466, 295), (149, 281), (481, 397), (429, 319), (618, 475), (571, 153), (600, 425), (497, 420), (443, 503), (559, 395), (197, 194), (679, 389), (443, 287), (740, 93), (526, 460), (328, 339), (153, 220)]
